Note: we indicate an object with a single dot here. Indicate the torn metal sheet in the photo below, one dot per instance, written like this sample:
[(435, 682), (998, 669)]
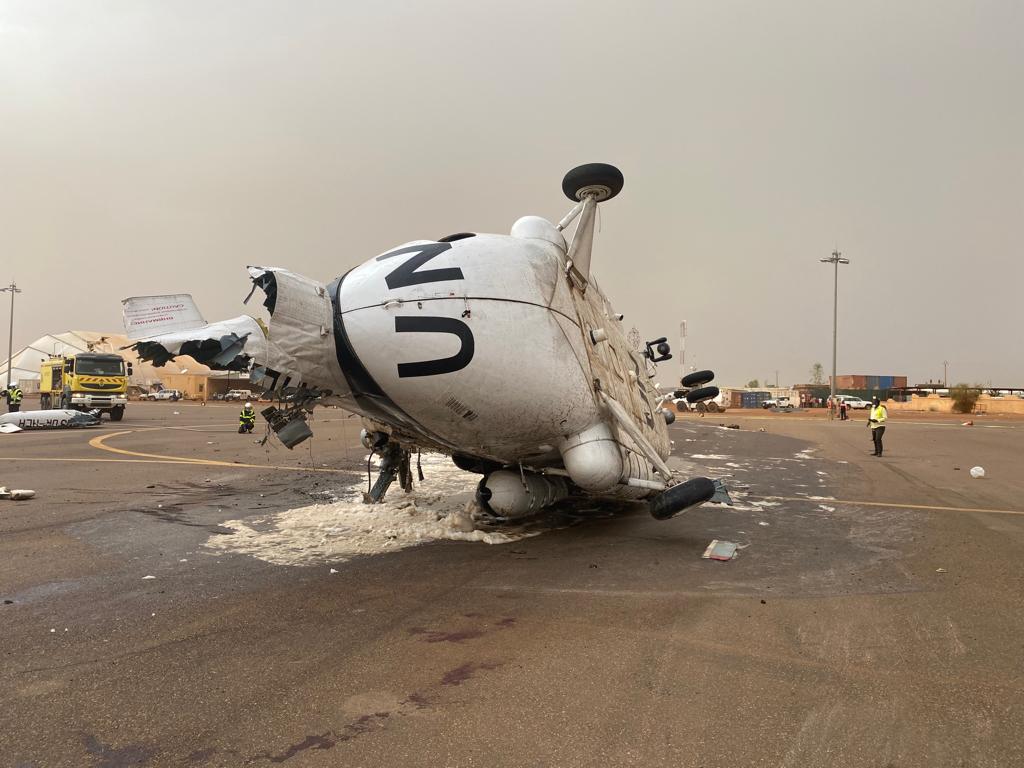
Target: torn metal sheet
[(721, 494), (720, 550), (9, 429), (227, 345)]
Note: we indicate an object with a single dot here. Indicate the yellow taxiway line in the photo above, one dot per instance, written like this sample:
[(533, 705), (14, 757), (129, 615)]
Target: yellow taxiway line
[(138, 457), (889, 504)]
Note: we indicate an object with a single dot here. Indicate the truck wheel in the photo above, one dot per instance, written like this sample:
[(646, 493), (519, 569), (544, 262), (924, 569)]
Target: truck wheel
[(116, 414), (712, 406)]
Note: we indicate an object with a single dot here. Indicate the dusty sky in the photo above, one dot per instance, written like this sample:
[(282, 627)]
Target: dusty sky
[(157, 147)]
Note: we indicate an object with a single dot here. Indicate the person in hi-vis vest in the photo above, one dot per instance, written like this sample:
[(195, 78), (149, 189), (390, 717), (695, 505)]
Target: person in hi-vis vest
[(876, 420)]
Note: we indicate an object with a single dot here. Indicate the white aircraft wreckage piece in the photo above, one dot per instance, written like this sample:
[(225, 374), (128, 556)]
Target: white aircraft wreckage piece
[(54, 419), (498, 350)]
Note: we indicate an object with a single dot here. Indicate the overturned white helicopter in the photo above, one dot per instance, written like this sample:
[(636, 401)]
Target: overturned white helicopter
[(499, 350)]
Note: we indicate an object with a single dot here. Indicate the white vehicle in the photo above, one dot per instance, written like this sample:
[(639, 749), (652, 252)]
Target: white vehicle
[(782, 403), (855, 403), (238, 394), (417, 340), (163, 394)]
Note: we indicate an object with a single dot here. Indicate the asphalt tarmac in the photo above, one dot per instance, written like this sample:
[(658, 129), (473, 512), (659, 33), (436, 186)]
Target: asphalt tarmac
[(872, 616)]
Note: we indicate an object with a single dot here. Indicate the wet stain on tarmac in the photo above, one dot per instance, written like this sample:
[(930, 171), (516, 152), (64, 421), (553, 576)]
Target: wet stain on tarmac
[(201, 756), (116, 757), (329, 739), (418, 700), (175, 515), (321, 741), (459, 675)]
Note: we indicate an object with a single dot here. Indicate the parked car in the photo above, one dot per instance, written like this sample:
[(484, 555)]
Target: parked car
[(856, 403), (167, 394), (239, 394), (778, 402)]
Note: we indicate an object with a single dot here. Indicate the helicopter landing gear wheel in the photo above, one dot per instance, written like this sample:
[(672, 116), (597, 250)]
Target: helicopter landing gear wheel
[(601, 180)]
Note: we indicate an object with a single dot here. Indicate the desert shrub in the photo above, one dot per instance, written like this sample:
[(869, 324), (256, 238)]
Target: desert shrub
[(964, 398)]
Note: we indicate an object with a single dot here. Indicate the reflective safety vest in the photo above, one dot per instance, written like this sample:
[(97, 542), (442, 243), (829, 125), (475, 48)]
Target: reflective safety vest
[(15, 396), (247, 415), (879, 415)]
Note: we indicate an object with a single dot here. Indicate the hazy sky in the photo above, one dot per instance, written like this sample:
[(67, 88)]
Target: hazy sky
[(158, 147)]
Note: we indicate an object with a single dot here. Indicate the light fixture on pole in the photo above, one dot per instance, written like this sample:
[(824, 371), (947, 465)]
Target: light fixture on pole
[(836, 258), (13, 289)]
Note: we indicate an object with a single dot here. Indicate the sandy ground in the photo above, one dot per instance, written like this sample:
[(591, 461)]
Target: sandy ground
[(871, 618)]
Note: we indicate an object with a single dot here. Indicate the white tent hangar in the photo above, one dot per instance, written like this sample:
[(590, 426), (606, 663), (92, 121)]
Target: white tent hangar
[(25, 362)]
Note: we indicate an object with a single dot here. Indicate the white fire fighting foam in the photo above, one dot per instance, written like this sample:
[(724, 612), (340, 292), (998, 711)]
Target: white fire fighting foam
[(439, 508)]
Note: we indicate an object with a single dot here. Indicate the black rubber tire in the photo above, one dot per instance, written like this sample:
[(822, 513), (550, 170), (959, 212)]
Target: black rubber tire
[(116, 414), (591, 175), (701, 393), (697, 378), (712, 407)]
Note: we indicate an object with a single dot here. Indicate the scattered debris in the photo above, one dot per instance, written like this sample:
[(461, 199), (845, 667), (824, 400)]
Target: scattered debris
[(956, 469), (968, 423), (940, 570), (762, 522), (334, 570), (977, 472), (720, 550), (9, 429), (762, 429), (16, 494), (148, 577), (732, 426)]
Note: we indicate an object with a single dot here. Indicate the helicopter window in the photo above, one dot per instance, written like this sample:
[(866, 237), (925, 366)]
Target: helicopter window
[(456, 236)]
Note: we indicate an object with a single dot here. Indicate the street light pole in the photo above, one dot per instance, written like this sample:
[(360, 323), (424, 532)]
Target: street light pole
[(836, 259), (13, 289), (945, 373)]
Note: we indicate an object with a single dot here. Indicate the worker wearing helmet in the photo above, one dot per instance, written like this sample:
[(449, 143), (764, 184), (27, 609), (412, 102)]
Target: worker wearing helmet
[(246, 419), (877, 417)]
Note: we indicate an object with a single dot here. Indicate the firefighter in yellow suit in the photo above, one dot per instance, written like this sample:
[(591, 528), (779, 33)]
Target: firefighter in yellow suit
[(876, 420), (246, 419)]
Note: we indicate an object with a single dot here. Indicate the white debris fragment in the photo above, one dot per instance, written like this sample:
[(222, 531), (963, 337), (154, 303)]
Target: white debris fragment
[(762, 522), (53, 629), (148, 577), (439, 508), (940, 570), (334, 570), (825, 508), (715, 456), (977, 472), (16, 494)]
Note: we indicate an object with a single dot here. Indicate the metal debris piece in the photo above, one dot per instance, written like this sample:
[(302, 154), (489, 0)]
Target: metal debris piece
[(940, 570), (721, 494), (720, 550), (15, 494)]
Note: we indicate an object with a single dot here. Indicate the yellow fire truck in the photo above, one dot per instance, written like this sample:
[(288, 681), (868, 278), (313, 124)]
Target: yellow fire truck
[(84, 382)]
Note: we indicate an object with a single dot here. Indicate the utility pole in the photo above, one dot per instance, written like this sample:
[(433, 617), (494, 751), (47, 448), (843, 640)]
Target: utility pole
[(945, 373), (836, 259), (13, 289)]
